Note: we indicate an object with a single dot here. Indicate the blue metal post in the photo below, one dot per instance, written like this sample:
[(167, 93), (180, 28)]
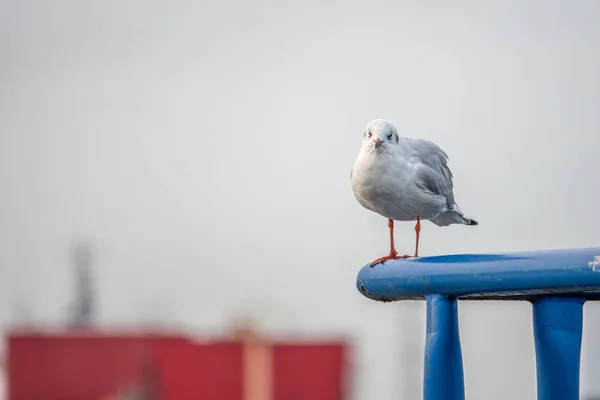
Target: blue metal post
[(443, 378), (557, 282), (557, 326)]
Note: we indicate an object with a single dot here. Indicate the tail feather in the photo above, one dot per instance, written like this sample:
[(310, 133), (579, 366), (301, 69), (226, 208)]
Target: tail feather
[(453, 217), (469, 221), (464, 220)]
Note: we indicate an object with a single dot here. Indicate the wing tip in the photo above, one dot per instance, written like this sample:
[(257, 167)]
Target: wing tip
[(471, 222)]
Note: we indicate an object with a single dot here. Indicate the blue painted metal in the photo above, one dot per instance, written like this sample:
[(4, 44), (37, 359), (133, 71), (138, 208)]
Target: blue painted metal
[(557, 282), (443, 357), (505, 276), (557, 325)]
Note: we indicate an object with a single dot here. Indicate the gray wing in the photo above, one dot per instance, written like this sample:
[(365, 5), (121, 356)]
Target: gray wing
[(433, 174)]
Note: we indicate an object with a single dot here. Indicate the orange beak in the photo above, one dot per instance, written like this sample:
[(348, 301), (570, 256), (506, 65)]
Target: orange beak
[(377, 142)]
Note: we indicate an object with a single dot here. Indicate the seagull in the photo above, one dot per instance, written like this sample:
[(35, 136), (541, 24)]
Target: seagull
[(404, 179)]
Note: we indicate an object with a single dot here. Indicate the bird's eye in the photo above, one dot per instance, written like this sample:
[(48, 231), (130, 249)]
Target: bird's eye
[(390, 136), (370, 134)]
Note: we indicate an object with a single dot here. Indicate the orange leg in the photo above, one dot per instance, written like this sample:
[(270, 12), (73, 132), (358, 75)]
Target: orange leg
[(391, 226), (393, 254), (418, 232)]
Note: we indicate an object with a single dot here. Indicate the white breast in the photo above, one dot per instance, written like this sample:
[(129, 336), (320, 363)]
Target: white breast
[(384, 183)]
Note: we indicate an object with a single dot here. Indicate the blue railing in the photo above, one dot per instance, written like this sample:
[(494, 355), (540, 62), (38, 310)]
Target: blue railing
[(557, 283)]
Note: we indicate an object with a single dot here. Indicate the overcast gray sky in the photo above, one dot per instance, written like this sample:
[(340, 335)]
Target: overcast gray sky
[(205, 148)]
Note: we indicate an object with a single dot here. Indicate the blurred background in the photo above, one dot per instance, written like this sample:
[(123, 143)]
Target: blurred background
[(175, 204)]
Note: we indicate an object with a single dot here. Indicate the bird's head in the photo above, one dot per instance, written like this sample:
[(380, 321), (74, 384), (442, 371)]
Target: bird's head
[(380, 134)]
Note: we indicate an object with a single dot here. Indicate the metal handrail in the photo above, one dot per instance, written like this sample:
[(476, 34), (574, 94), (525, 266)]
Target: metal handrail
[(556, 282)]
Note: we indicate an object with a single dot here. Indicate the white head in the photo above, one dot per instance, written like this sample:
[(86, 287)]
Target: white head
[(380, 135)]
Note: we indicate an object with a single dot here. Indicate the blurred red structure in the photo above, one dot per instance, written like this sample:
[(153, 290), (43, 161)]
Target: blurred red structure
[(99, 366)]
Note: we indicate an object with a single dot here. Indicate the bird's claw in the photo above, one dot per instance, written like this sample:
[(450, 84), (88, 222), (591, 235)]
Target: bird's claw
[(392, 256)]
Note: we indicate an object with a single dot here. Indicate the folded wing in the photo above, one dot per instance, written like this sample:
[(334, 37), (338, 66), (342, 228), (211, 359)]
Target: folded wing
[(431, 167)]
